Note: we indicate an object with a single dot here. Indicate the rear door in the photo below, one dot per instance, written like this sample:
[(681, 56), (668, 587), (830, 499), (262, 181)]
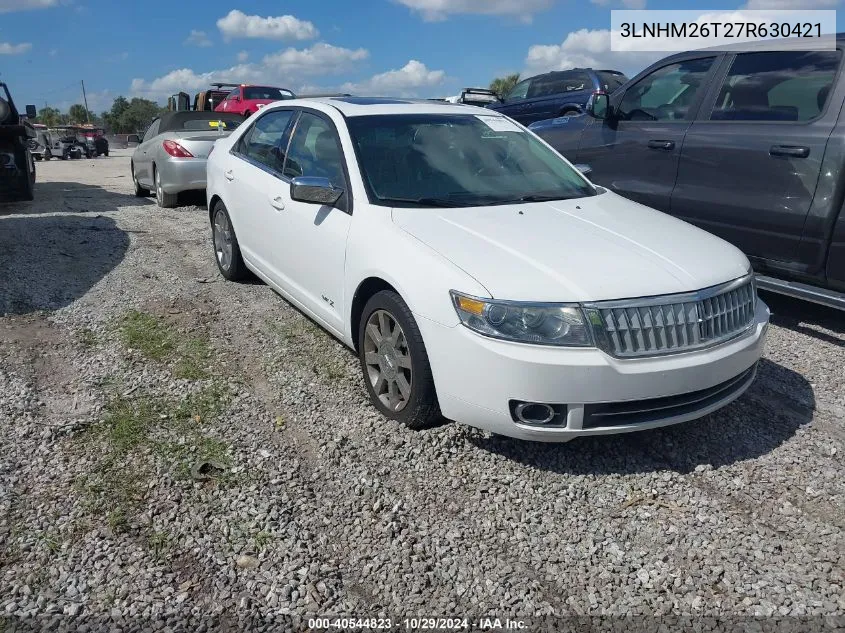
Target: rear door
[(253, 180), (550, 94), (636, 153), (751, 162)]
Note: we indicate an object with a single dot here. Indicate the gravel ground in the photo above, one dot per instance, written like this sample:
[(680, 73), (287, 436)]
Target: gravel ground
[(174, 444)]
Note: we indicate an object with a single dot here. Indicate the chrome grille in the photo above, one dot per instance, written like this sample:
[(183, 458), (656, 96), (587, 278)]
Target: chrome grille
[(674, 323)]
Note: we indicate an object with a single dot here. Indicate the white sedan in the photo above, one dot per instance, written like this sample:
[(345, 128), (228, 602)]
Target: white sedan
[(478, 275)]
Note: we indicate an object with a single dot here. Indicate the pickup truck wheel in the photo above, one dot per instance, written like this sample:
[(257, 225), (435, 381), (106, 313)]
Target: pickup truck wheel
[(227, 252), (395, 363), (140, 192), (568, 112), (164, 200)]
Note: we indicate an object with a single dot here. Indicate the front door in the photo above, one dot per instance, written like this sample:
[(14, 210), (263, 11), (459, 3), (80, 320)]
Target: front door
[(313, 253), (751, 162), (636, 152), (143, 156)]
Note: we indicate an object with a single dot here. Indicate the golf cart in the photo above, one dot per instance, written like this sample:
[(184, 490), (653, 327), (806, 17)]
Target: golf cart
[(41, 146), (65, 144), (17, 166)]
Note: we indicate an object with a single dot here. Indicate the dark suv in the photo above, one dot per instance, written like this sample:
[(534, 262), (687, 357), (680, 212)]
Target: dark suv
[(748, 144), (556, 93)]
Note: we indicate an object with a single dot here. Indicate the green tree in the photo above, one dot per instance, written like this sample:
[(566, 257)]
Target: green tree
[(78, 114), (50, 117), (137, 115), (503, 85)]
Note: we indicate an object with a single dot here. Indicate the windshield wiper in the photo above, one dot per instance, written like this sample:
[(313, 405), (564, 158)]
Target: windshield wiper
[(426, 202), (540, 198)]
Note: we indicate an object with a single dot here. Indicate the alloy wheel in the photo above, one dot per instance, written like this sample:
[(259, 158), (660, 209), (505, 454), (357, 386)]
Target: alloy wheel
[(223, 239), (388, 360)]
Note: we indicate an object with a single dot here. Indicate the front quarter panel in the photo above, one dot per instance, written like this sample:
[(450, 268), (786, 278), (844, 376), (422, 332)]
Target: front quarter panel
[(379, 248)]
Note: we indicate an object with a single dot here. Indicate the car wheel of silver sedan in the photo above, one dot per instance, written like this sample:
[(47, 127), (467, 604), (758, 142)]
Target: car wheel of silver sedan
[(227, 252), (163, 199), (395, 363)]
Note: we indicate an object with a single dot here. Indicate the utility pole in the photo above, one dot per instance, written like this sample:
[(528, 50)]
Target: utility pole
[(85, 100)]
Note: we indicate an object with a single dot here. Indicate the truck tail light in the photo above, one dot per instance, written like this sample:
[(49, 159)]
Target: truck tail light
[(174, 149)]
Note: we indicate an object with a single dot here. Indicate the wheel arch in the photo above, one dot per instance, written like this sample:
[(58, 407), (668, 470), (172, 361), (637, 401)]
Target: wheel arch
[(366, 289)]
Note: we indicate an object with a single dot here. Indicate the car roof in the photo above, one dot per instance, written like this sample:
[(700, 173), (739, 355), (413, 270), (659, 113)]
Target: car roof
[(361, 106)]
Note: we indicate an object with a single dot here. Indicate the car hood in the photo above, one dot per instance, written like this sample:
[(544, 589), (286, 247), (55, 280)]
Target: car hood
[(589, 249)]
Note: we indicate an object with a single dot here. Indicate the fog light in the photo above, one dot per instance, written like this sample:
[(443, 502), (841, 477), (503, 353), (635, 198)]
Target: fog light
[(534, 413)]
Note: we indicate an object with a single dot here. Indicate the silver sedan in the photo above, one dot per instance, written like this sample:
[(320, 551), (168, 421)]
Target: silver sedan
[(172, 155)]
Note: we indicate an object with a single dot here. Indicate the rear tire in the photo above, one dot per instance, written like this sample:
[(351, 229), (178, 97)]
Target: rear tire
[(395, 363), (140, 192), (164, 200), (227, 251)]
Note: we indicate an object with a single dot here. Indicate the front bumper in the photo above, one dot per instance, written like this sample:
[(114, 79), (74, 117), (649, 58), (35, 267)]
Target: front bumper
[(478, 378), (182, 174)]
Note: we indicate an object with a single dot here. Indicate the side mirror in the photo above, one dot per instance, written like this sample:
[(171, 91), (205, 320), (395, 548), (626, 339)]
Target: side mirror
[(583, 168), (31, 112), (599, 106), (314, 190)]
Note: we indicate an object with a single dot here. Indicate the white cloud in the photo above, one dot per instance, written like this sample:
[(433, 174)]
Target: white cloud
[(7, 6), (198, 38), (238, 24), (281, 69), (14, 49), (242, 57), (791, 4), (404, 82), (319, 59), (434, 10), (585, 48)]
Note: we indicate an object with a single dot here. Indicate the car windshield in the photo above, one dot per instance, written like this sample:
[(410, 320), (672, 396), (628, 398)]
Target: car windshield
[(437, 160), (261, 92)]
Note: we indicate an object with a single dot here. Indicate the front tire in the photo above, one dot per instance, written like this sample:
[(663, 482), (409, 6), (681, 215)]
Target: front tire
[(164, 200), (227, 251), (395, 363)]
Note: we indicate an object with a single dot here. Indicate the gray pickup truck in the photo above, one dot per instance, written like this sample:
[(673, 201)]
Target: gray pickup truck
[(747, 144)]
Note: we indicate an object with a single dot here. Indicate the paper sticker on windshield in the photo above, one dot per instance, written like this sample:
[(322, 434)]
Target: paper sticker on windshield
[(498, 123), (220, 124)]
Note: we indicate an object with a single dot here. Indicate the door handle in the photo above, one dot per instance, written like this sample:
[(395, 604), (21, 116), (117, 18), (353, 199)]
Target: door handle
[(665, 145), (277, 203), (229, 175), (793, 151)]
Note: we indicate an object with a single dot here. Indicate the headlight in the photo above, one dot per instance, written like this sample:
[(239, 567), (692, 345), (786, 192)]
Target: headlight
[(538, 323)]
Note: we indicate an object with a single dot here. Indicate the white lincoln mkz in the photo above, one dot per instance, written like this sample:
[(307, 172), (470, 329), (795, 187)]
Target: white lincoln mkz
[(479, 275)]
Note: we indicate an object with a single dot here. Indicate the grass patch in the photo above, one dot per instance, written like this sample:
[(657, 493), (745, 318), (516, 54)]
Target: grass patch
[(207, 403), (149, 335), (262, 540), (128, 422), (117, 521), (87, 338), (194, 357), (159, 544), (159, 341)]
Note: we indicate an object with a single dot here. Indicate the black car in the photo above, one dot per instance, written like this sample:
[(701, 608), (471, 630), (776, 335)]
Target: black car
[(557, 93), (748, 144)]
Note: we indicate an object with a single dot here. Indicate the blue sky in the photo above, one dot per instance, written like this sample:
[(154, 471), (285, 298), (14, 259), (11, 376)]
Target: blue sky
[(397, 47)]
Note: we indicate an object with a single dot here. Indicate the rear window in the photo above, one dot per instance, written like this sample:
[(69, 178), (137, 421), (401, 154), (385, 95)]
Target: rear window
[(206, 124), (777, 86), (557, 83), (261, 92), (611, 81)]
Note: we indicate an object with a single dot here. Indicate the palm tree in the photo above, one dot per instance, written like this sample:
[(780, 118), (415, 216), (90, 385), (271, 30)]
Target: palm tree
[(503, 85)]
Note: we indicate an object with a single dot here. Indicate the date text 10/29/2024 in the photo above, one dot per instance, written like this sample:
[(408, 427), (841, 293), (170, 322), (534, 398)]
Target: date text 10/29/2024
[(416, 624)]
